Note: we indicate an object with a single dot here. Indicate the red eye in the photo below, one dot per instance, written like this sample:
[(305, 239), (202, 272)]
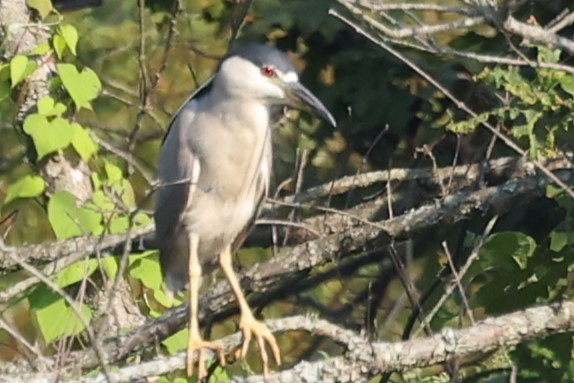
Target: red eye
[(267, 71)]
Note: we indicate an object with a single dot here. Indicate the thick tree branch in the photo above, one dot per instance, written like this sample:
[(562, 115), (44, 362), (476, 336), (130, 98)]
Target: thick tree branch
[(70, 250), (538, 35), (364, 359), (500, 169)]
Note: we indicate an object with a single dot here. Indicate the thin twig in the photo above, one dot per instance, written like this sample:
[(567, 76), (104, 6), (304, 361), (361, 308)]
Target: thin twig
[(473, 256), (456, 276)]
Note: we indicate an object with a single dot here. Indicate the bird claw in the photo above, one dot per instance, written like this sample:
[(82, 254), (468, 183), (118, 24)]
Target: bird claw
[(200, 345), (251, 327)]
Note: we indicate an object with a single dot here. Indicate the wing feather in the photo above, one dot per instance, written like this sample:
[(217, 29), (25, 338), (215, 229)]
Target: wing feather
[(178, 172)]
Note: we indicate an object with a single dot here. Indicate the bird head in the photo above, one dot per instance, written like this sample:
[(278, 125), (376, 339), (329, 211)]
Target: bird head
[(268, 75)]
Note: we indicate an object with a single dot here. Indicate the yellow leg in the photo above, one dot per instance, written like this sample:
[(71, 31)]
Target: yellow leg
[(248, 324), (194, 340)]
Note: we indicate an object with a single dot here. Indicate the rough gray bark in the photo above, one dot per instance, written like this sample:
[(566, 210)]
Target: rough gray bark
[(363, 359)]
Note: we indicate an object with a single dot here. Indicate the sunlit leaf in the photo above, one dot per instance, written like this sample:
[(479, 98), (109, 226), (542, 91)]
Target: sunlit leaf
[(82, 87), (44, 7), (76, 272), (176, 342), (83, 142), (54, 317), (26, 187), (70, 35), (548, 55), (48, 137), (110, 266), (18, 66), (41, 49), (48, 107), (142, 219), (119, 224), (113, 172), (59, 45), (567, 84), (69, 220), (148, 271)]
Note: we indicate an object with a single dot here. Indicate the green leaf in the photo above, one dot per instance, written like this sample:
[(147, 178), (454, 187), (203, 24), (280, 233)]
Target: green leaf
[(18, 66), (567, 84), (147, 270), (548, 55), (163, 299), (527, 129), (48, 137), (119, 224), (26, 187), (54, 317), (45, 105), (165, 379), (467, 126), (69, 220), (48, 107), (83, 87), (44, 7), (83, 142), (59, 44), (113, 172), (5, 89), (558, 241), (553, 191), (176, 342), (59, 137), (70, 35), (76, 272), (121, 186), (503, 246), (110, 266), (41, 49), (102, 201), (219, 375), (142, 219)]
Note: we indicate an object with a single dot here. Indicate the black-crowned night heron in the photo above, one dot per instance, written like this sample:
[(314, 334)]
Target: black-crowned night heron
[(213, 172)]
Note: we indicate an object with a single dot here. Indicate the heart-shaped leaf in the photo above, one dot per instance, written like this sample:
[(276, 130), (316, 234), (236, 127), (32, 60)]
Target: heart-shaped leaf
[(83, 87), (48, 137), (47, 107)]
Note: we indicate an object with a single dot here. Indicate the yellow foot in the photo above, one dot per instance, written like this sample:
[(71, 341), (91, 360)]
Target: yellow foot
[(199, 345), (251, 327)]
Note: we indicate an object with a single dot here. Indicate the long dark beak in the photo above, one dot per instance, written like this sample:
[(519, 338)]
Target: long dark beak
[(302, 98)]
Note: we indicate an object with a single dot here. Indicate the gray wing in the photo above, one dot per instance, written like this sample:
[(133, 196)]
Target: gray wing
[(178, 171)]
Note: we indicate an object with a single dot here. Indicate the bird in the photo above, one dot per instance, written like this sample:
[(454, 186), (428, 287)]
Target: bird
[(213, 173)]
